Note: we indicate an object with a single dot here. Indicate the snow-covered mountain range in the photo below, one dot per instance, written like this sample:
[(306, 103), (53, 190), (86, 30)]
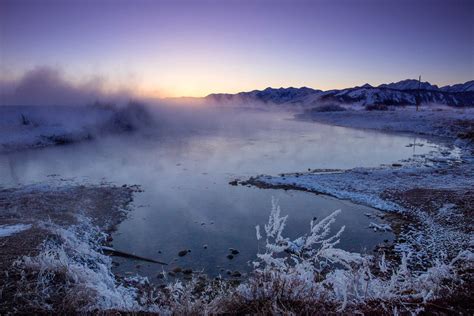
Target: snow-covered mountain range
[(405, 92)]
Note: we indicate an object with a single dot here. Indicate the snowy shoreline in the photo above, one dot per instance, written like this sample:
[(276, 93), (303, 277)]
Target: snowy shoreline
[(451, 167), (53, 229), (35, 127), (443, 179)]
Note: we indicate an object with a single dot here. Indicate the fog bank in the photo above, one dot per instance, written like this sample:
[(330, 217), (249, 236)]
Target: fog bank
[(48, 86)]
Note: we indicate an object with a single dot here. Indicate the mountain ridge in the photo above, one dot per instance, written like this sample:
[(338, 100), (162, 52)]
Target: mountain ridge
[(404, 92)]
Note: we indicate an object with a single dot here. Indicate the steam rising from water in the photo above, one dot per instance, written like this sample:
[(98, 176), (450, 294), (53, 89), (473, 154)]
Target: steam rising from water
[(48, 86)]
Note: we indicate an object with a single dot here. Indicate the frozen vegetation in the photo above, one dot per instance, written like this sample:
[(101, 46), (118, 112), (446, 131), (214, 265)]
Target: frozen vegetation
[(8, 230), (53, 224), (71, 274), (306, 275)]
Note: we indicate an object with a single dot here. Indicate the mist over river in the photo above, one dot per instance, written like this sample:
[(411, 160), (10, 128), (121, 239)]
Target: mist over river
[(185, 170)]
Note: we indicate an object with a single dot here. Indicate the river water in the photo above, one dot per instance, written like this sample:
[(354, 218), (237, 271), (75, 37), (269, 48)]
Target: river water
[(187, 201)]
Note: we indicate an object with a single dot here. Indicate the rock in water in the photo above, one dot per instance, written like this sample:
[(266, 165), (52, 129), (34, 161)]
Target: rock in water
[(236, 274), (233, 251)]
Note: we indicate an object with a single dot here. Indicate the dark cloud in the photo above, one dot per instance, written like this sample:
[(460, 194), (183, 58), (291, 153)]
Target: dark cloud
[(47, 86)]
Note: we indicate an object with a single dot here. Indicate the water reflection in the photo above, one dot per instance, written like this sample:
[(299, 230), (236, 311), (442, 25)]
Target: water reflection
[(187, 201)]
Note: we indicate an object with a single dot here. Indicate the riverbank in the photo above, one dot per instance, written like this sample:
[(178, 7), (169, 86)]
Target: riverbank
[(432, 195), (59, 229), (455, 124)]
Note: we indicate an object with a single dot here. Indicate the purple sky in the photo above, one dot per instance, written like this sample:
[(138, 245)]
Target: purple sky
[(175, 48)]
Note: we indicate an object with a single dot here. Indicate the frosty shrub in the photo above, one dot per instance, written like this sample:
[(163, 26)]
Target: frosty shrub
[(312, 270), (72, 274)]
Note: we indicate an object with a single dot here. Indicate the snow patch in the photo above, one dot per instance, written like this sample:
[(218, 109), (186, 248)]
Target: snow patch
[(74, 256), (8, 230), (380, 227)]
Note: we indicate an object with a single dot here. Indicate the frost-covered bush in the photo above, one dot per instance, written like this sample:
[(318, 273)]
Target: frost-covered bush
[(297, 268), (313, 270), (71, 273)]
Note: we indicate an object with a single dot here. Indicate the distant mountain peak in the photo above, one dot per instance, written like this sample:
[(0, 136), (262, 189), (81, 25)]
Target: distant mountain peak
[(409, 84), (460, 87)]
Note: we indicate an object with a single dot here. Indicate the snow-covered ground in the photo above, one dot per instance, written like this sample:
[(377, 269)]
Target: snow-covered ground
[(23, 127), (54, 229), (8, 230), (367, 185), (430, 232), (440, 121), (450, 167), (33, 126)]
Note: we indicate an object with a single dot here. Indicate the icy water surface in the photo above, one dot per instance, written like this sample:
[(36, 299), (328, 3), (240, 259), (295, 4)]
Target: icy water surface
[(187, 202)]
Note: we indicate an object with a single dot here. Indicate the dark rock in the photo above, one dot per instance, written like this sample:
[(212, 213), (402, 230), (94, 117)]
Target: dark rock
[(233, 251), (234, 182), (177, 270), (236, 274), (230, 257), (187, 271), (183, 253)]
